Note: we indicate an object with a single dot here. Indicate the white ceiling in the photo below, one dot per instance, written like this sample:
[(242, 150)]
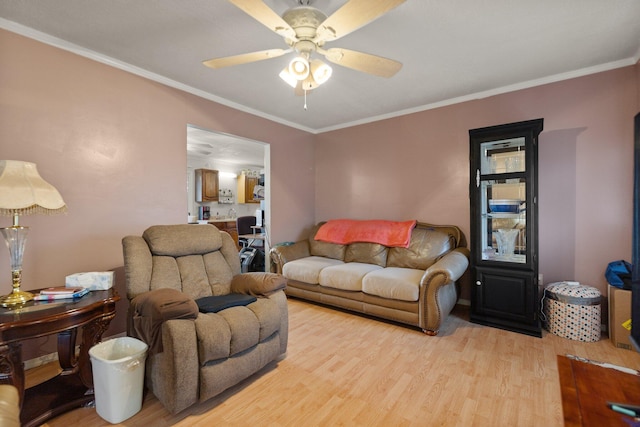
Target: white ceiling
[(452, 50), (226, 149)]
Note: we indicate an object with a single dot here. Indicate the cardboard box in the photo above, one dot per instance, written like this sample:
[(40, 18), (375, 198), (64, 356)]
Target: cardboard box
[(619, 317)]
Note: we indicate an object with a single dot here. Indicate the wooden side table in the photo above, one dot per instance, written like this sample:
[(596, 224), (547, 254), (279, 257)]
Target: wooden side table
[(73, 387), (586, 388)]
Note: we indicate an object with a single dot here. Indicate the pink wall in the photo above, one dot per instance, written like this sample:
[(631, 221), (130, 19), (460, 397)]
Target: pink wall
[(114, 145), (416, 167)]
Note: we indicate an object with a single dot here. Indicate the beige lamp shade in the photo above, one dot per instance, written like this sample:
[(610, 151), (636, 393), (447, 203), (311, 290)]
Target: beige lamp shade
[(24, 192)]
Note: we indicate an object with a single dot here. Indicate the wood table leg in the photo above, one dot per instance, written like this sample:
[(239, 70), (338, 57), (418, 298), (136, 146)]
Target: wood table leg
[(67, 351)]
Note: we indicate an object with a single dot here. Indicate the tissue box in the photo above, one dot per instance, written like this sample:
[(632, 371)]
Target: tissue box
[(95, 281)]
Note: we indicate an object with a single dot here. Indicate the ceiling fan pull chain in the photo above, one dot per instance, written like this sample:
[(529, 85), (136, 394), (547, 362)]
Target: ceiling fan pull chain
[(305, 100)]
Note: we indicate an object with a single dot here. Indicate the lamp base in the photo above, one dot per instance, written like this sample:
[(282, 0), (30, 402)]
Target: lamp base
[(17, 297)]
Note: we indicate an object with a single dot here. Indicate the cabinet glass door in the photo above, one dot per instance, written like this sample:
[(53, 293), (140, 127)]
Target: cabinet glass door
[(503, 189)]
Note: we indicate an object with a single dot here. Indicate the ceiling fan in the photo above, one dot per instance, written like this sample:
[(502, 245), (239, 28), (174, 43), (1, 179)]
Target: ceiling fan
[(305, 30)]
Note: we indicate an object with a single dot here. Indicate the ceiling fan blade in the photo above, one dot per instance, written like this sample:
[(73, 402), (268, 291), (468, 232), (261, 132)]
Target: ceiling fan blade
[(245, 58), (266, 16), (353, 15), (365, 62)]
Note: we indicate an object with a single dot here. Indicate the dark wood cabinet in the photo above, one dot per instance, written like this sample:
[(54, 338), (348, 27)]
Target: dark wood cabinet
[(207, 189), (230, 227), (504, 226), (246, 185)]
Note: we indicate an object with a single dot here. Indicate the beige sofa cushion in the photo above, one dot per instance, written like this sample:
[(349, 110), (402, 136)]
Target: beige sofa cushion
[(426, 247), (347, 277), (371, 253), (394, 283), (329, 250), (325, 249), (308, 269)]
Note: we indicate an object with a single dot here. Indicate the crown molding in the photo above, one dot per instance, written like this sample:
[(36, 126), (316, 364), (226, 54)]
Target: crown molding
[(87, 53), (104, 59), (493, 92)]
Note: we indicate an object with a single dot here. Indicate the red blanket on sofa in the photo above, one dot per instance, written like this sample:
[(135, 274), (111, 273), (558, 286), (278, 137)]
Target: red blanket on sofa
[(345, 231)]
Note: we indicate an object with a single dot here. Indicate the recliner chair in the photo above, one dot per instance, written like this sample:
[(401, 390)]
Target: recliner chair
[(194, 356)]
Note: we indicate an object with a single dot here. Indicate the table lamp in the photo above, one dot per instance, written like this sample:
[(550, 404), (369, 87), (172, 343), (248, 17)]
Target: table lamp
[(23, 192)]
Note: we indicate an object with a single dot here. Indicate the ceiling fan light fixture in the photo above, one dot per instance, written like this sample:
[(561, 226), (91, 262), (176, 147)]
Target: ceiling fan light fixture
[(288, 78), (306, 30), (320, 71), (299, 68), (309, 84)]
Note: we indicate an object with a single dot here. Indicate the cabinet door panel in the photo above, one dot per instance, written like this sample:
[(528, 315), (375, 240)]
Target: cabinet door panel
[(507, 294), (245, 189), (206, 185)]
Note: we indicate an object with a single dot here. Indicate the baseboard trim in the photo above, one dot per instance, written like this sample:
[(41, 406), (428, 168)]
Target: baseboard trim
[(53, 357), (39, 361)]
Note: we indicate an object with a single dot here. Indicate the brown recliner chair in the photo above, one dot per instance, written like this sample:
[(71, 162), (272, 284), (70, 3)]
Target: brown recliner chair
[(171, 272)]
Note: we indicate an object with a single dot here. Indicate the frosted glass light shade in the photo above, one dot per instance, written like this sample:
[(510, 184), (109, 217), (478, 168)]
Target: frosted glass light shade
[(288, 78), (299, 68), (320, 71)]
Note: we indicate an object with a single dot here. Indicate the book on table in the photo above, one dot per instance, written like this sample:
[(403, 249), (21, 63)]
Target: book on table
[(60, 292)]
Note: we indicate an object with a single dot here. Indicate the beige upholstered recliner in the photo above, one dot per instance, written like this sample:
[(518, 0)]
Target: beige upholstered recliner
[(9, 406), (194, 355)]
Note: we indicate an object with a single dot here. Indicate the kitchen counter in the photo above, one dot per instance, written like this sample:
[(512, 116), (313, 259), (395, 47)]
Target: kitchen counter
[(222, 219), (213, 220)]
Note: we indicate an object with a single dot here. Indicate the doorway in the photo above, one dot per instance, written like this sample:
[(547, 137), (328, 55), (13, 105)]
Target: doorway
[(233, 157)]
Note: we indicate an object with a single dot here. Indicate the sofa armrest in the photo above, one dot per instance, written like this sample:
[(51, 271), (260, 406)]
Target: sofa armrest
[(438, 293), (280, 255), (258, 284), (452, 266)]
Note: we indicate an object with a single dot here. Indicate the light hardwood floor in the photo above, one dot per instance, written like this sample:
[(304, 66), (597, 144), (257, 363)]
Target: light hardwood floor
[(343, 369)]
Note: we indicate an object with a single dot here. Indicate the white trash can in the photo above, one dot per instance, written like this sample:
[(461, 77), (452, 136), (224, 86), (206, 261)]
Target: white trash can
[(118, 377)]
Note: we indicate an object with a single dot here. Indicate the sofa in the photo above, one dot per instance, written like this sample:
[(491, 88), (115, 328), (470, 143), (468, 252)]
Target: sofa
[(208, 326), (414, 285)]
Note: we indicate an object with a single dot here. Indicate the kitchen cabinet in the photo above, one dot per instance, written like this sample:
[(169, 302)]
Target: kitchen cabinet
[(230, 227), (206, 185), (245, 188), (504, 226)]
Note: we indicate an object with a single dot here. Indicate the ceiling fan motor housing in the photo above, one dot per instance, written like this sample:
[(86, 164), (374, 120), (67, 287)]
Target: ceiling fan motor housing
[(306, 29), (305, 21)]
